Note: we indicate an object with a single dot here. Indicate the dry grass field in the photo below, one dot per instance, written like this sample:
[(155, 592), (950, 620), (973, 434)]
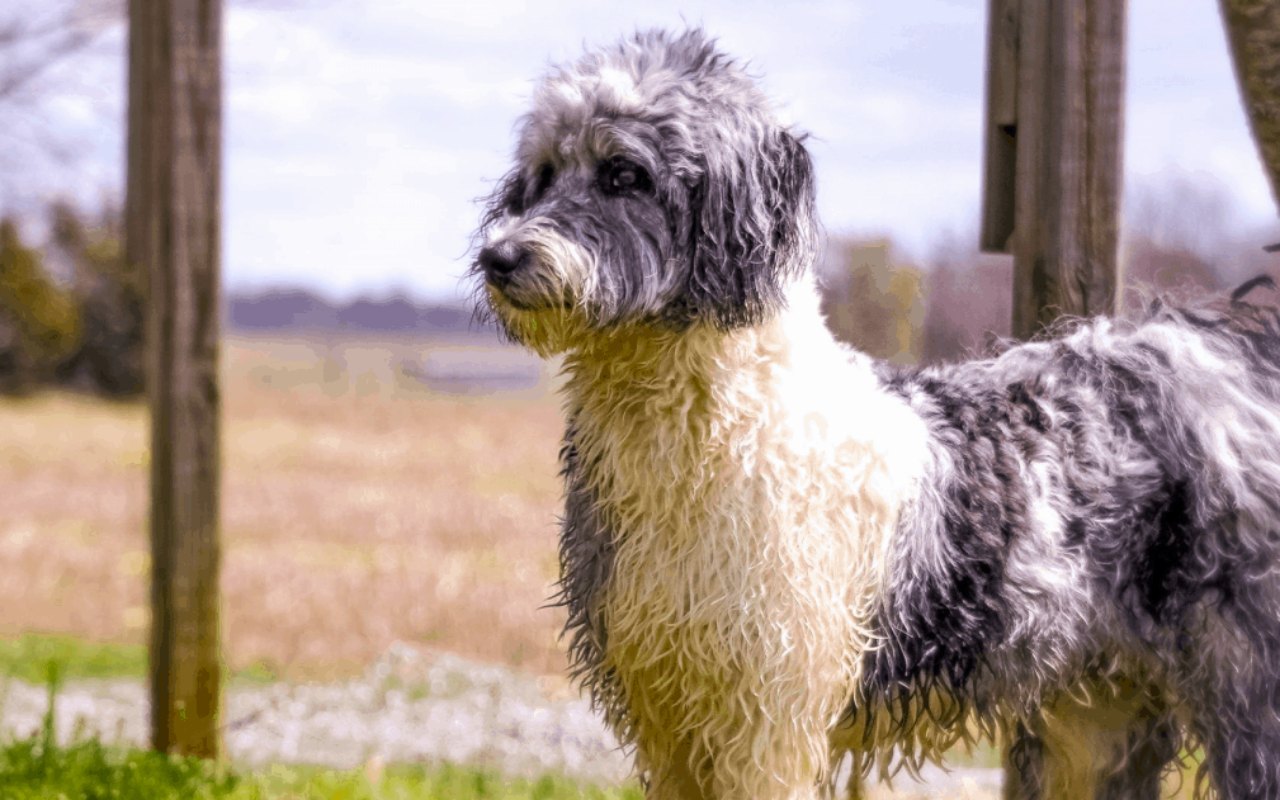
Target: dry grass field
[(359, 508)]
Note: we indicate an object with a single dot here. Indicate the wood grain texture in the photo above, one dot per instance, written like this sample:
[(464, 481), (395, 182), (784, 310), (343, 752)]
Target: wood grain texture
[(1070, 95), (1253, 32), (172, 232)]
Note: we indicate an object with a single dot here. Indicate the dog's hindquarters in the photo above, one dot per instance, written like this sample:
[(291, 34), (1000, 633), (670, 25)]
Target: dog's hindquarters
[(1115, 492)]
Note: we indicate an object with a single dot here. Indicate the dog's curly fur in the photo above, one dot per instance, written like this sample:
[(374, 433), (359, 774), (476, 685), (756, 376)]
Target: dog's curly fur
[(775, 549)]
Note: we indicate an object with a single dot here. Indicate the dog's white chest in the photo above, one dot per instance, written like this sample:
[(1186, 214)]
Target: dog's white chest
[(747, 552)]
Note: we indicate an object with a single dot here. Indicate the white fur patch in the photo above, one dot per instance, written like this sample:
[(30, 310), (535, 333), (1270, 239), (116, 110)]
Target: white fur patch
[(753, 480)]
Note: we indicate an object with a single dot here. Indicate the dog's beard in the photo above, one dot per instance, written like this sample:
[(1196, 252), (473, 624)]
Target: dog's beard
[(547, 329)]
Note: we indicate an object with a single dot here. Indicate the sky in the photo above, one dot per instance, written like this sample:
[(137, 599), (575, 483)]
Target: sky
[(359, 134)]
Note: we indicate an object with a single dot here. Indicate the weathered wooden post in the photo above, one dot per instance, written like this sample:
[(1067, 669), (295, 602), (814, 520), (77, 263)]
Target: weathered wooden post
[(1253, 31), (1051, 193), (1055, 87), (172, 231)]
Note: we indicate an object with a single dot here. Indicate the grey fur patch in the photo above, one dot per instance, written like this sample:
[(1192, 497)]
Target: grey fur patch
[(586, 564), (1150, 451)]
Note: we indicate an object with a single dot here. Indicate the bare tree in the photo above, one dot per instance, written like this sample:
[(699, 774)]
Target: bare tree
[(38, 36), (58, 50), (45, 46)]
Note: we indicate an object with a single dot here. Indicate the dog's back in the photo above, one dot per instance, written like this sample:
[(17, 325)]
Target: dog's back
[(1109, 496)]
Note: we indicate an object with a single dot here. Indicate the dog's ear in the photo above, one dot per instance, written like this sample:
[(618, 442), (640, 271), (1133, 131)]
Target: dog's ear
[(507, 197), (752, 228)]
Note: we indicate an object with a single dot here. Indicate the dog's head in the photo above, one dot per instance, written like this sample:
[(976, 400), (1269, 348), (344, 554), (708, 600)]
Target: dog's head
[(652, 185)]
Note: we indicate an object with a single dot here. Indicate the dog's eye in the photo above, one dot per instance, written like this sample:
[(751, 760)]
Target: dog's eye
[(513, 197), (546, 176), (619, 176)]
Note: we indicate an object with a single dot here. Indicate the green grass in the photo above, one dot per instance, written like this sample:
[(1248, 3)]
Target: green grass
[(28, 657), (36, 768), (90, 771), (415, 783), (31, 770)]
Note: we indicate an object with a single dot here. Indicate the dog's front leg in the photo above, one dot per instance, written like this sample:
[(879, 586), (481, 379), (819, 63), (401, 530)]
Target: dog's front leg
[(747, 756), (681, 777)]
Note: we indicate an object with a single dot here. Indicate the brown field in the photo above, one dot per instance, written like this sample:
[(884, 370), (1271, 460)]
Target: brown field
[(359, 508)]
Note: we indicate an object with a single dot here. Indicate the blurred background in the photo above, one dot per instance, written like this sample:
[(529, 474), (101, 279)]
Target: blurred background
[(390, 490)]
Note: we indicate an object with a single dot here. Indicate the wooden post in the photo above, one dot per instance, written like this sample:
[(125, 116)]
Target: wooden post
[(1055, 75), (1066, 203), (1051, 194), (172, 232), (1253, 31)]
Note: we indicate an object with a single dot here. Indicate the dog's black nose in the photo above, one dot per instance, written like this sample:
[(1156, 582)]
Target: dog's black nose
[(500, 260)]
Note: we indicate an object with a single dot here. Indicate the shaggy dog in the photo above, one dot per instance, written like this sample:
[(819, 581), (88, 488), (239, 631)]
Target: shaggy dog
[(775, 549)]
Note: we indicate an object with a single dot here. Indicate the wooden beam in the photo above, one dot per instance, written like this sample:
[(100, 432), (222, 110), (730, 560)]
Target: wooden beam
[(173, 233), (1001, 130)]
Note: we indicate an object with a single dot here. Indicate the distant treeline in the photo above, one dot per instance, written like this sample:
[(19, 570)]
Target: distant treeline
[(71, 311), (303, 311), (1178, 242), (962, 302)]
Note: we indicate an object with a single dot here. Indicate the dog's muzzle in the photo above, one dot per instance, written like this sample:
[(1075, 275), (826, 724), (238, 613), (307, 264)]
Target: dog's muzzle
[(501, 262)]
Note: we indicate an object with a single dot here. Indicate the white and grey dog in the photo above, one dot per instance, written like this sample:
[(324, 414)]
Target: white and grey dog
[(775, 549)]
